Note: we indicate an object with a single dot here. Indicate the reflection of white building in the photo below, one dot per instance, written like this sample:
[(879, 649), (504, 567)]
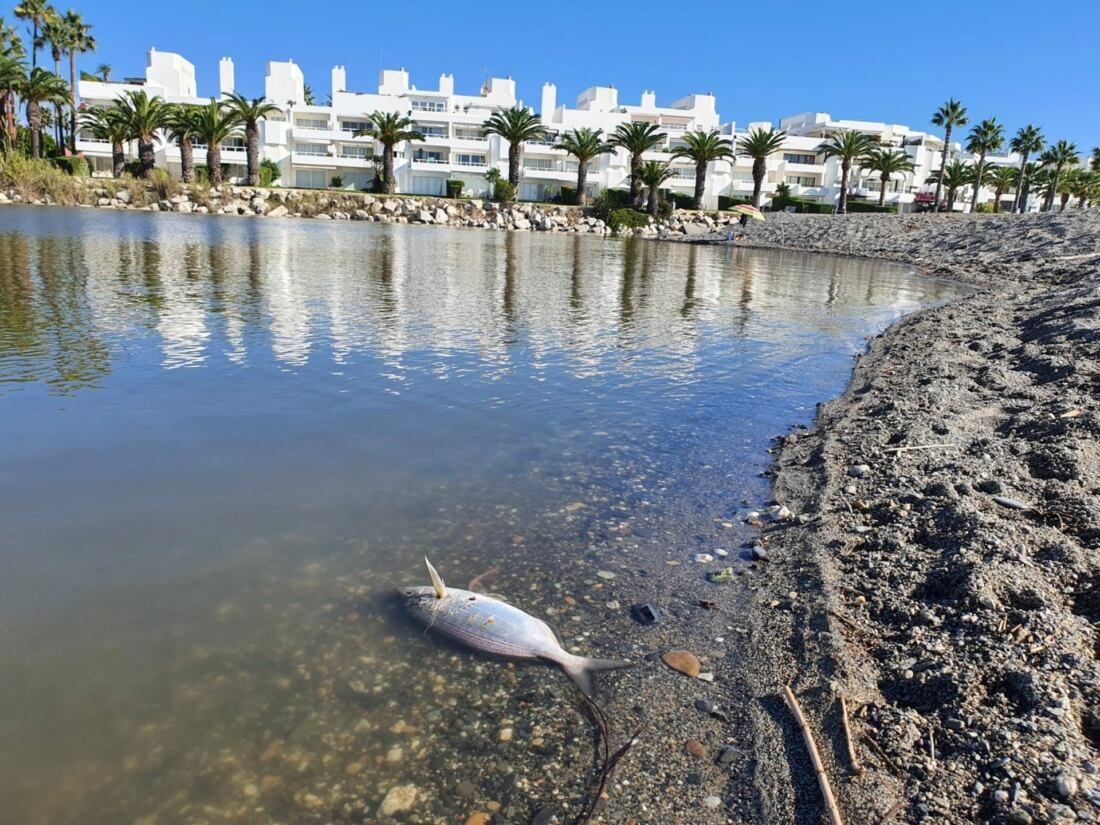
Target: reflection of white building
[(318, 146)]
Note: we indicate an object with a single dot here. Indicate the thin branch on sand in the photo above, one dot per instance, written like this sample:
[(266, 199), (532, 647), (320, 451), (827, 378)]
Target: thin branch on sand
[(857, 766), (920, 447), (815, 757)]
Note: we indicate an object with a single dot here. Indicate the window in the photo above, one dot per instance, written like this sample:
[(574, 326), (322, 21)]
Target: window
[(429, 157), (311, 178), (312, 149), (354, 125), (542, 164), (312, 123), (801, 180), (789, 158), (469, 134), (428, 185), (428, 106), (351, 150), (464, 159), (357, 178), (432, 131), (683, 172)]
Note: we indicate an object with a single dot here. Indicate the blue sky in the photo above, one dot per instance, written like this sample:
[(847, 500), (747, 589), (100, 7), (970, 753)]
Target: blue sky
[(1018, 61)]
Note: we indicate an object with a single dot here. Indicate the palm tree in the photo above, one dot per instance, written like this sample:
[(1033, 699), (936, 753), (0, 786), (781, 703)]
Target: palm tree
[(654, 173), (78, 39), (636, 138), (35, 12), (1002, 178), (109, 124), (13, 73), (11, 44), (214, 123), (887, 162), (1028, 174), (389, 129), (1056, 159), (250, 113), (1094, 161), (585, 145), (104, 71), (37, 88), (181, 123), (985, 138), (143, 116), (758, 145), (948, 116), (515, 125), (849, 147), (1029, 140), (956, 175), (54, 35), (703, 147)]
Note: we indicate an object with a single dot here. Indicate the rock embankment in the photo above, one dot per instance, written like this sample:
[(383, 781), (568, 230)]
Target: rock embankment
[(947, 550), (338, 205)]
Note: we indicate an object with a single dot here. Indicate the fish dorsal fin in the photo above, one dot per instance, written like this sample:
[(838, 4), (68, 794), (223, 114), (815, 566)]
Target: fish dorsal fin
[(437, 580)]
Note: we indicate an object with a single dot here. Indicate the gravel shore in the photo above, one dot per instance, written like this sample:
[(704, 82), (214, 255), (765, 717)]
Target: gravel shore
[(943, 571)]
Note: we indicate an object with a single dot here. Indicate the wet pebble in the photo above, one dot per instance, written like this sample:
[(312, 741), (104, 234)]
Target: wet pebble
[(682, 661), (860, 471), (728, 755), (694, 748), (606, 575), (712, 802), (398, 800)]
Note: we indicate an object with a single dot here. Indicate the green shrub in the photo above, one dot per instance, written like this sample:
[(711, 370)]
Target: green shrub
[(202, 174), (454, 188), (38, 179), (664, 208), (985, 208), (863, 206), (269, 172), (682, 200), (132, 168), (504, 192), (608, 201), (568, 195), (337, 182), (628, 218), (23, 142), (164, 184), (77, 167), (726, 202)]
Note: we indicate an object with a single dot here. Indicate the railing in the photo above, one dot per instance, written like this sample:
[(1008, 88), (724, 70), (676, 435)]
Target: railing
[(311, 153), (479, 164), (674, 127), (355, 155), (83, 139), (312, 125), (428, 106), (472, 136), (429, 160)]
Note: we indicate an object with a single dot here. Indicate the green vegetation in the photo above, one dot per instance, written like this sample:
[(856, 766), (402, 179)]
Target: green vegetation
[(985, 138), (1027, 142), (702, 148), (954, 177), (77, 167), (454, 188), (336, 182), (585, 145), (515, 125), (887, 162), (849, 147), (654, 175), (504, 192), (249, 113), (759, 144), (627, 218), (389, 129), (637, 139), (947, 117)]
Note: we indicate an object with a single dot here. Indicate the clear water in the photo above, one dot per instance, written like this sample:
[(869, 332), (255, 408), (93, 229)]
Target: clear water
[(226, 441)]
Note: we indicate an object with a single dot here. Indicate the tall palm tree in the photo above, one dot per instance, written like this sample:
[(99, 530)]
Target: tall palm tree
[(104, 71), (703, 147), (887, 162), (215, 123), (637, 139), (109, 123), (955, 176), (985, 138), (1027, 175), (35, 12), (654, 174), (78, 40), (1028, 141), (11, 44), (250, 113), (144, 116), (38, 88), (1094, 160), (948, 116), (1002, 178), (585, 145), (13, 73), (848, 146), (389, 129), (759, 144), (181, 123), (515, 125), (54, 35), (1056, 159)]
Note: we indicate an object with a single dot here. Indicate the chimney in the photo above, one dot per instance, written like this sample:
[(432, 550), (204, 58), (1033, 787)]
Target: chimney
[(447, 84), (549, 99), (339, 80), (649, 100), (226, 84)]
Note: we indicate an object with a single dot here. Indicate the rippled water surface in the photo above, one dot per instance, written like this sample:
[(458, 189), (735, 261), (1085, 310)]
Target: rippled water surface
[(226, 441)]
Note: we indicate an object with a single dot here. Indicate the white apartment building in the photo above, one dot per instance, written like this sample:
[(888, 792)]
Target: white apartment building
[(318, 146)]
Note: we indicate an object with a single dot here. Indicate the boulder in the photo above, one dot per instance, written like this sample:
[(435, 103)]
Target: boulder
[(278, 212)]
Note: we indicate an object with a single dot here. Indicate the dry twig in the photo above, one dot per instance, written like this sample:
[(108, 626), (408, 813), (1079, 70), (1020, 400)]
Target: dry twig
[(857, 766), (920, 447), (815, 757)]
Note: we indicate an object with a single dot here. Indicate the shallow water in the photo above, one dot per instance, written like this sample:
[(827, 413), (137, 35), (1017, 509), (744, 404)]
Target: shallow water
[(227, 441)]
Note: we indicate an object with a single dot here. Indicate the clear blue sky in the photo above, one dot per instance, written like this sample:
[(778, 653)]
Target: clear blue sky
[(1019, 61)]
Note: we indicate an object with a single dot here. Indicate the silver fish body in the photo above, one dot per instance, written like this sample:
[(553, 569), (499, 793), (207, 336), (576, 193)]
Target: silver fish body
[(497, 628)]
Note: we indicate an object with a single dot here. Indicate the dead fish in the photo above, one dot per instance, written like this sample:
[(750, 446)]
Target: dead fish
[(495, 627)]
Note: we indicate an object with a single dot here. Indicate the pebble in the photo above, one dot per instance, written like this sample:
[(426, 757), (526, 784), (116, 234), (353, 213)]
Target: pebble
[(398, 800), (394, 755), (506, 734), (759, 553), (712, 802), (860, 470), (353, 768), (682, 661), (479, 818), (728, 755), (607, 575), (465, 788), (721, 552), (1066, 785), (1012, 503), (704, 558), (694, 748), (705, 677), (251, 791)]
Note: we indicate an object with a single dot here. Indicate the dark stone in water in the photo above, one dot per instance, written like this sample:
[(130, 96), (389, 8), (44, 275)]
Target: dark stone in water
[(728, 755), (542, 816), (645, 614), (694, 778)]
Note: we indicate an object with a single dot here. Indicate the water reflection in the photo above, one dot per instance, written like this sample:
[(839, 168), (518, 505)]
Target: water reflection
[(234, 436)]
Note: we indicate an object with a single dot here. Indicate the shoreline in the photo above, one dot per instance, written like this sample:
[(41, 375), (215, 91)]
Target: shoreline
[(959, 626)]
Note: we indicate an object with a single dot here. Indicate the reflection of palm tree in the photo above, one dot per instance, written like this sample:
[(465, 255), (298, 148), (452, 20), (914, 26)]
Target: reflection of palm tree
[(575, 300), (687, 309), (626, 292), (509, 297)]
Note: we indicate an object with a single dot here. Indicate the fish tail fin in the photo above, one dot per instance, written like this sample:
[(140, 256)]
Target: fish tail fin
[(581, 670)]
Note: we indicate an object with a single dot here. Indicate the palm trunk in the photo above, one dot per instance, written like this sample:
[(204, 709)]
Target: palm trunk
[(146, 156), (1048, 201), (700, 184), (635, 179), (979, 172), (34, 48), (118, 159), (1017, 205), (34, 122), (252, 135), (187, 160), (997, 200), (58, 131), (1025, 192), (582, 182), (515, 154), (72, 102), (759, 169), (654, 200), (1081, 199), (943, 164), (951, 200), (1064, 202), (883, 182), (387, 169), (845, 168), (214, 162)]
